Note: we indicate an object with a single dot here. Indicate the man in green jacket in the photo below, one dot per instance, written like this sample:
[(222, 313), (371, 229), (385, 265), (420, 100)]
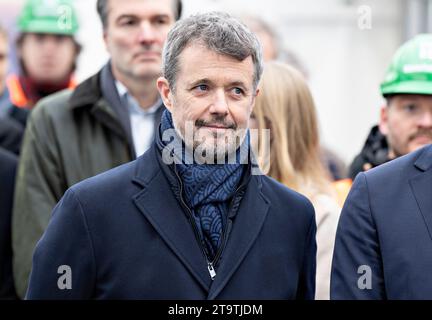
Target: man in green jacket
[(106, 121)]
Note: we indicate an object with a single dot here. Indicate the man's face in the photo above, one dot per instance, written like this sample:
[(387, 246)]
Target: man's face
[(135, 35), (407, 123), (215, 95), (3, 61), (48, 58)]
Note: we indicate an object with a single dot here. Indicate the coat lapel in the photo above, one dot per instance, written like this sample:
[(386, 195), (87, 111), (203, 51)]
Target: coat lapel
[(421, 186), (158, 204), (245, 229)]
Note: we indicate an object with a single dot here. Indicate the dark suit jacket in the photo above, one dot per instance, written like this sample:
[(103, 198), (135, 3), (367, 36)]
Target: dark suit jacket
[(125, 236), (8, 163), (386, 225)]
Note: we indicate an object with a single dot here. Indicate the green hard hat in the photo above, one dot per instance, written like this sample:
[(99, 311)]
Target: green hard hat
[(411, 69), (48, 16)]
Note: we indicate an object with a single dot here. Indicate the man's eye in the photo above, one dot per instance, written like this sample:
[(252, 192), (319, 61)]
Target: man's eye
[(237, 91), (127, 22), (40, 38), (410, 108), (60, 38), (202, 87), (162, 21)]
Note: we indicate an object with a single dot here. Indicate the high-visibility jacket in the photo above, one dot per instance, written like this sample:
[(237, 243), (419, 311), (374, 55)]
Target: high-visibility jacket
[(18, 96)]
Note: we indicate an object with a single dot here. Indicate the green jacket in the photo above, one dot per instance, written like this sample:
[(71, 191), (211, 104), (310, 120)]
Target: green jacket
[(71, 136)]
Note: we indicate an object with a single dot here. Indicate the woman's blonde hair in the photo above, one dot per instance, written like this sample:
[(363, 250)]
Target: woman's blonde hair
[(286, 107)]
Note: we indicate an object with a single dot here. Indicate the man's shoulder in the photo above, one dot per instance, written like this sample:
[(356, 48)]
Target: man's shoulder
[(52, 105), (62, 103), (277, 189), (283, 198), (402, 167), (124, 179), (110, 184)]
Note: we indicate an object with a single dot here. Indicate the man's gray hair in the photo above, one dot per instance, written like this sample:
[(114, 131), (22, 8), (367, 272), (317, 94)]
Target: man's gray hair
[(218, 32)]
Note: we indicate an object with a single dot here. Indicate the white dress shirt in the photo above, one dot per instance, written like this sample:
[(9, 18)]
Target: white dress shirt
[(142, 121)]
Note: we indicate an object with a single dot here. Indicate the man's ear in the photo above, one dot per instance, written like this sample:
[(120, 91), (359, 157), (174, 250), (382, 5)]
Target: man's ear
[(383, 123), (105, 39), (254, 99), (165, 92)]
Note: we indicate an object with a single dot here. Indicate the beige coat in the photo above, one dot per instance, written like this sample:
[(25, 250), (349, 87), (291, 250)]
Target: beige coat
[(327, 213)]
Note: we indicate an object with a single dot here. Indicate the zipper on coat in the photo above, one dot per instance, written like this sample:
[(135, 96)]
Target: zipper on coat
[(224, 238), (211, 270), (210, 264)]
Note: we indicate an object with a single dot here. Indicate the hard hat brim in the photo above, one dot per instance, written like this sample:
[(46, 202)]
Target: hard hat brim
[(50, 27), (411, 87)]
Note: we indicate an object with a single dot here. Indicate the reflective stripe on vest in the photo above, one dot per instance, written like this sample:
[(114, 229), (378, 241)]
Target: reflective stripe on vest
[(17, 95), (16, 92)]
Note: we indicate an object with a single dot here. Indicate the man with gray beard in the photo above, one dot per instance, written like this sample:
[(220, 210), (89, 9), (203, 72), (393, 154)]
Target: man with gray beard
[(158, 229)]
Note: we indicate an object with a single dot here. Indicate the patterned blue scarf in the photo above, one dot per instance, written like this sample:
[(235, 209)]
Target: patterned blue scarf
[(207, 191)]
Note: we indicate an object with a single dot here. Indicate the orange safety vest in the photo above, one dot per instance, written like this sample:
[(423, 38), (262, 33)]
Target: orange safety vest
[(17, 94)]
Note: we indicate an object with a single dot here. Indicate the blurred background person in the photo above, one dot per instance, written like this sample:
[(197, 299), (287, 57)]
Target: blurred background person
[(108, 120), (8, 163), (11, 117), (405, 122), (11, 132), (285, 106), (273, 48), (266, 35), (47, 51)]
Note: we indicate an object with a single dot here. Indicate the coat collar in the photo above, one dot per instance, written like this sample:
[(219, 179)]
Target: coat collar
[(246, 227), (424, 160), (89, 95), (421, 186), (159, 206)]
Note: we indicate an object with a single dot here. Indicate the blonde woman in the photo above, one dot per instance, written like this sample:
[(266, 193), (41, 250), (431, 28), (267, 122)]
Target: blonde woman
[(285, 106)]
